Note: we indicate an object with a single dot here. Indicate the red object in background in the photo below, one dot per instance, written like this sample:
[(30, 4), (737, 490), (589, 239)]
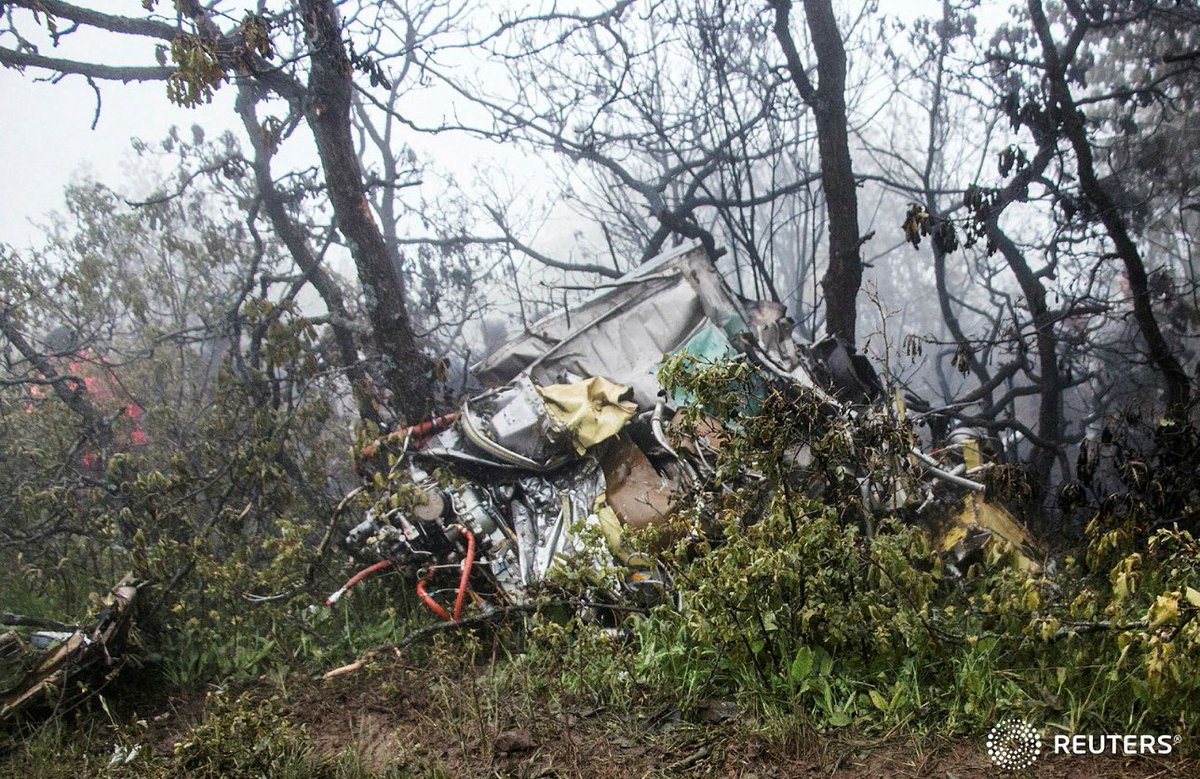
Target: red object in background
[(137, 436), (102, 388)]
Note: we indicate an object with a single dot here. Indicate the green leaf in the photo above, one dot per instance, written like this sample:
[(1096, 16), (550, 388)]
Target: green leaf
[(802, 665), (839, 719), (824, 661), (826, 695), (879, 701)]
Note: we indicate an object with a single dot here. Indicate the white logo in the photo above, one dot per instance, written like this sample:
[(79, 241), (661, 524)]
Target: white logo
[(1014, 744)]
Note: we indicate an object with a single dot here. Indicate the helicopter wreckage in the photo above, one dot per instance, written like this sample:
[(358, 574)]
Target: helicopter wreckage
[(574, 446)]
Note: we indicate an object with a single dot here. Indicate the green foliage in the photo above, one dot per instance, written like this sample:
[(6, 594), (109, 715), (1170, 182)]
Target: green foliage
[(788, 440), (810, 618), (810, 597), (244, 737), (56, 751), (795, 605), (201, 67), (220, 510)]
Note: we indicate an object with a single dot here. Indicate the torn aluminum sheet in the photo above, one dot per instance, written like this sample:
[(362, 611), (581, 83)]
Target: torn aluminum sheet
[(559, 509), (674, 300), (850, 375), (622, 332)]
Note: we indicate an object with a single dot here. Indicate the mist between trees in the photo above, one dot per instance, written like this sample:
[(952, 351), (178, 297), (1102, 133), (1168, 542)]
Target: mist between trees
[(1000, 209), (1042, 170)]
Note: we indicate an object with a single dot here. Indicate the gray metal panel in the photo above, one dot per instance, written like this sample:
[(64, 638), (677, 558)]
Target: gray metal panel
[(627, 344), (619, 333)]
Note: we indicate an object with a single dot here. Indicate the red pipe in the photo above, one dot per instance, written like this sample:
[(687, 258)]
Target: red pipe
[(429, 601), (355, 579), (465, 579), (463, 583), (418, 433)]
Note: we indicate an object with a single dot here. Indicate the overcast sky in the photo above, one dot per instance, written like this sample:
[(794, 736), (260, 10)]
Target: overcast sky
[(45, 139)]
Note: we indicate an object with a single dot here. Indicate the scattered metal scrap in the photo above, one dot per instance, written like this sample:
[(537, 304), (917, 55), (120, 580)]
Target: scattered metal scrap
[(52, 664), (569, 448)]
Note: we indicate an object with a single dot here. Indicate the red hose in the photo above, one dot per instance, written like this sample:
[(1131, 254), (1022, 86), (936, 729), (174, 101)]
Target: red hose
[(429, 601), (420, 432), (465, 579), (417, 433), (355, 579)]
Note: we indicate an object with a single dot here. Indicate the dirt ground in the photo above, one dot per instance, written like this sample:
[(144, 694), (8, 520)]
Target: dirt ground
[(402, 727), (404, 721)]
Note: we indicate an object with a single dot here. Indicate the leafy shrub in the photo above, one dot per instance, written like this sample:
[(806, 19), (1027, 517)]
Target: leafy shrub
[(244, 737), (804, 605)]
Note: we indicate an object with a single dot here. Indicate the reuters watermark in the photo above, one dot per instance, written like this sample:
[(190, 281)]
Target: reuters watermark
[(1013, 744)]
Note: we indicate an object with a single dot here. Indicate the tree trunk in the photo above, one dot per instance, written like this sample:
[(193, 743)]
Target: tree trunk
[(296, 242), (405, 366), (1049, 426), (827, 100), (1065, 110)]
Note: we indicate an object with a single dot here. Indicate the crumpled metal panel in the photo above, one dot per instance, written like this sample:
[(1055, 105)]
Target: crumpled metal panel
[(547, 513), (511, 424), (620, 333)]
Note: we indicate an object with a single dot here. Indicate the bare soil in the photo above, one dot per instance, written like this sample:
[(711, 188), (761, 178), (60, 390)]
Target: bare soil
[(399, 721), (391, 720)]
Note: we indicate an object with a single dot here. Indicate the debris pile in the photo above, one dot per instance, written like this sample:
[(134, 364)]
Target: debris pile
[(64, 665), (574, 443)]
